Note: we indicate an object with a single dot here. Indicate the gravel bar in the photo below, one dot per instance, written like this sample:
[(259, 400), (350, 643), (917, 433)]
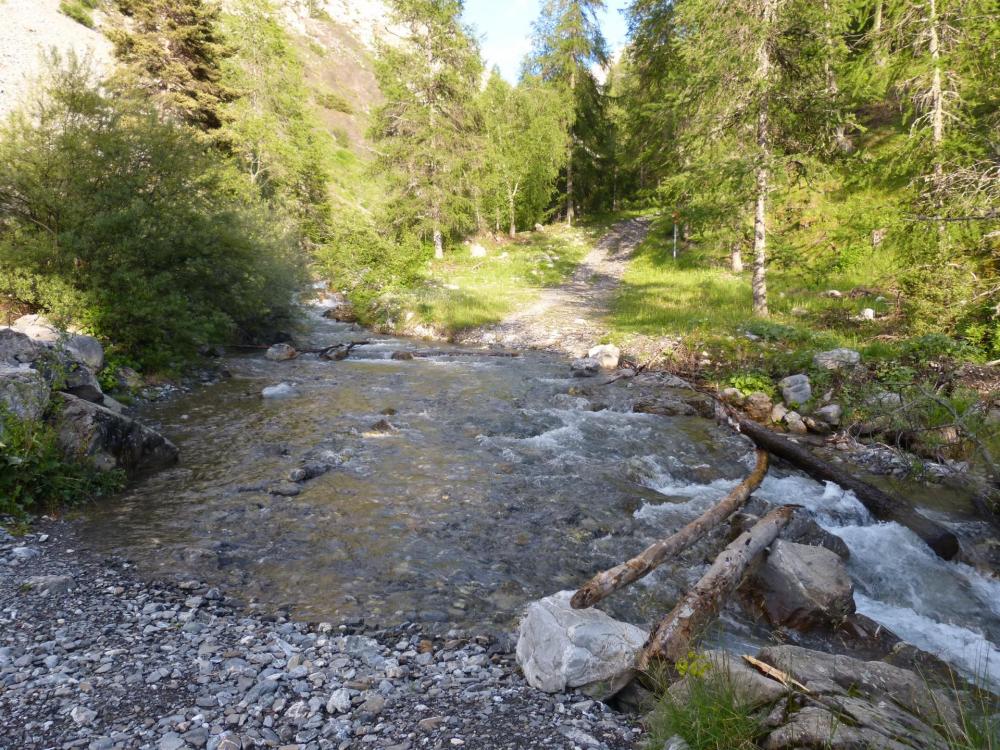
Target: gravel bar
[(92, 656)]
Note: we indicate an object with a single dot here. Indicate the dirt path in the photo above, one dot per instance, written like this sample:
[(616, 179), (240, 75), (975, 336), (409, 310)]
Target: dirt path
[(570, 318)]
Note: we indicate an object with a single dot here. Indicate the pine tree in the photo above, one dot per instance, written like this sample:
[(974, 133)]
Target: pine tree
[(427, 127), (567, 43), (173, 50)]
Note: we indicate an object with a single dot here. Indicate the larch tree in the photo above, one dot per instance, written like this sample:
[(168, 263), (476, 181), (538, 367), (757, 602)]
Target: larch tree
[(428, 125), (525, 145), (567, 44)]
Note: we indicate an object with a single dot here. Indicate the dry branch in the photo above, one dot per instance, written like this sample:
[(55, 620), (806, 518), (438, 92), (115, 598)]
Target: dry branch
[(672, 638), (606, 583)]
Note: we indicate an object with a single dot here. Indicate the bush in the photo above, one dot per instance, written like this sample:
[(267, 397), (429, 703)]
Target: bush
[(35, 475), (79, 11), (131, 226)]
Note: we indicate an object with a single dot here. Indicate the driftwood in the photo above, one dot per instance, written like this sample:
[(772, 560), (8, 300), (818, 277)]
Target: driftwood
[(880, 504), (336, 352), (604, 584), (671, 640)]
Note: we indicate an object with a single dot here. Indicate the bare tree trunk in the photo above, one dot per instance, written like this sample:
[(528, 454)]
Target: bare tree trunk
[(937, 109), (764, 154), (736, 258), (672, 638), (604, 584), (438, 243), (832, 89), (511, 206), (569, 162), (877, 41)]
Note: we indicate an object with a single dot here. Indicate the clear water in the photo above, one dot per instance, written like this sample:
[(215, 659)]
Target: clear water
[(497, 485)]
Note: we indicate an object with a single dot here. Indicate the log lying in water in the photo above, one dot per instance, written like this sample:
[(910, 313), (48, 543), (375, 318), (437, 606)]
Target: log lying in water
[(604, 584), (336, 352), (880, 504), (671, 640)]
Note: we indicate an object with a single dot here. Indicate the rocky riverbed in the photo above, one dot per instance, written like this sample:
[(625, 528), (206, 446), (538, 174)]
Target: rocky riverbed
[(92, 656)]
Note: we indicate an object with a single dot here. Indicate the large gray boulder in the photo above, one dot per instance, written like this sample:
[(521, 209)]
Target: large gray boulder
[(23, 392), (749, 688), (17, 348), (607, 356), (837, 359), (561, 648), (281, 353), (109, 440), (801, 586), (82, 348)]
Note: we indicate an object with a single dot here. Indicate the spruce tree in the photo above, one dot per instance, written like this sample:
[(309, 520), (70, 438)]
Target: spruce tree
[(428, 126)]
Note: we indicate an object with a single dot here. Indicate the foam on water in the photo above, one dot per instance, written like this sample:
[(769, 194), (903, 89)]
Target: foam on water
[(945, 608)]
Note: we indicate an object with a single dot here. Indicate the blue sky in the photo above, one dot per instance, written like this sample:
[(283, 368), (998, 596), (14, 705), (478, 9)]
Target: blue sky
[(504, 29)]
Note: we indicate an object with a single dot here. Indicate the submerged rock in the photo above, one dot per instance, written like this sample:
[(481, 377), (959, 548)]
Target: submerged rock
[(281, 353), (559, 647), (281, 390), (584, 367), (108, 440)]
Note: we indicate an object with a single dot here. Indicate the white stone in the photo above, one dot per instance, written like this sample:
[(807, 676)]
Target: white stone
[(281, 390), (868, 314), (560, 647), (831, 414), (837, 359), (339, 702), (477, 251), (607, 356)]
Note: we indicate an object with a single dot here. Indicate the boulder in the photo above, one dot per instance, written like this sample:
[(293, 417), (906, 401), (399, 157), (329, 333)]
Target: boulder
[(281, 353), (477, 251), (76, 379), (82, 348), (778, 413), (831, 414), (758, 406), (23, 392), (110, 440), (796, 390), (281, 390), (837, 359), (16, 348), (733, 396), (607, 356), (560, 648), (749, 688), (585, 367), (801, 586), (343, 313), (795, 424), (868, 314), (539, 228)]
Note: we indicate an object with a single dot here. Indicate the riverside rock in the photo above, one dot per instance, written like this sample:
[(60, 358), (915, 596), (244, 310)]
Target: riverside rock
[(16, 348), (585, 367), (607, 356), (758, 406), (281, 353), (796, 389), (837, 359), (110, 440), (23, 392), (559, 647), (82, 348), (801, 586)]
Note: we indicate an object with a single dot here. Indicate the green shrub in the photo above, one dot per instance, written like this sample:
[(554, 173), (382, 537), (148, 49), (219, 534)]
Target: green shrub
[(133, 227), (79, 11), (334, 101), (35, 476), (753, 382)]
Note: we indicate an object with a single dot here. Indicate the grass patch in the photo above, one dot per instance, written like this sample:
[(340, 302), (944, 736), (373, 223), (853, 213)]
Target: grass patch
[(80, 11), (463, 292)]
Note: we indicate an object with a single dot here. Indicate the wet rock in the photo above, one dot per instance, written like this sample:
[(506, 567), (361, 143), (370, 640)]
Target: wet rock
[(285, 489), (802, 587), (402, 356), (281, 390), (585, 367), (110, 440), (23, 392), (831, 414), (758, 406), (82, 348), (560, 647), (308, 472), (796, 390), (607, 356), (664, 406), (795, 424), (17, 348), (750, 689), (281, 353), (342, 313), (384, 427), (54, 585), (837, 359)]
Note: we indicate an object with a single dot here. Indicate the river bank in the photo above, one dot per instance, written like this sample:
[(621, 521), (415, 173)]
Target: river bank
[(93, 656)]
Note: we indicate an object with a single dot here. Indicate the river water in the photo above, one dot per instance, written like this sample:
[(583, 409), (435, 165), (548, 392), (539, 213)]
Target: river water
[(496, 481)]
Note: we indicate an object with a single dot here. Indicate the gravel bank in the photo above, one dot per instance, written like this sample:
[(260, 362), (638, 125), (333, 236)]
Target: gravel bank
[(93, 657)]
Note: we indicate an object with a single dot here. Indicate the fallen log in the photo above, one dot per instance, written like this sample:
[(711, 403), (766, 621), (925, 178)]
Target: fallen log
[(506, 353), (880, 504), (336, 352), (606, 583), (671, 640)]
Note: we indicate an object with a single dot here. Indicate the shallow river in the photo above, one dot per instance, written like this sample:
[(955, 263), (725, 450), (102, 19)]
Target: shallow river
[(492, 487)]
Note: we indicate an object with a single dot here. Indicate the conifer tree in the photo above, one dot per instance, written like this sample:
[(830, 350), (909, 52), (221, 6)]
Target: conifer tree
[(428, 125), (567, 44), (173, 50)]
